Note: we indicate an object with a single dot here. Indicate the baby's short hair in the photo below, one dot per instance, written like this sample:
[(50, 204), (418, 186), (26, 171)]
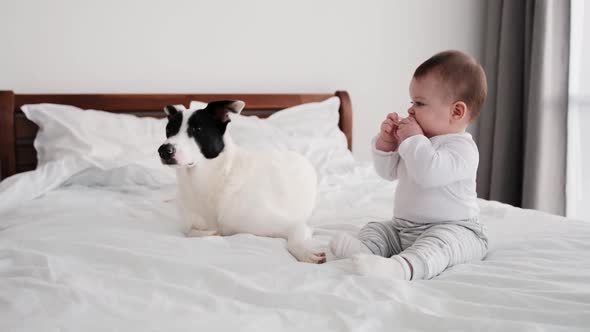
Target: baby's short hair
[(464, 77)]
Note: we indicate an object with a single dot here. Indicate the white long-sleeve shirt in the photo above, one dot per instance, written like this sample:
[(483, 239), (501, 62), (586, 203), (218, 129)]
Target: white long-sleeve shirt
[(437, 177)]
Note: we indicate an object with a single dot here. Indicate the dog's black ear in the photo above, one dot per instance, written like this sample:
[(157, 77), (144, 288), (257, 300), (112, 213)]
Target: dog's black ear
[(223, 107), (170, 110)]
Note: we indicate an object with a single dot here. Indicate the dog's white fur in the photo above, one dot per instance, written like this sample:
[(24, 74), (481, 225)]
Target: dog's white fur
[(266, 193)]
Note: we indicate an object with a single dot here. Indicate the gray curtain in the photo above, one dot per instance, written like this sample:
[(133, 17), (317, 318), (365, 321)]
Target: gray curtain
[(522, 128)]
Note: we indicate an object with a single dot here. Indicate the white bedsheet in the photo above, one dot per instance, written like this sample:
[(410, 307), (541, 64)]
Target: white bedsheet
[(97, 259)]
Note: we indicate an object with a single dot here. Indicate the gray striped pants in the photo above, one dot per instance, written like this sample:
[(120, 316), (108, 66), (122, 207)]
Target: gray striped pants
[(429, 248)]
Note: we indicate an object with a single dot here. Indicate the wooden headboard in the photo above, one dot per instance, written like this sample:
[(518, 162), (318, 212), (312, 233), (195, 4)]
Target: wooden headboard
[(17, 133)]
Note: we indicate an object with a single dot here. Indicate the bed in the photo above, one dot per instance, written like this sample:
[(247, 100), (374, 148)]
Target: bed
[(81, 251)]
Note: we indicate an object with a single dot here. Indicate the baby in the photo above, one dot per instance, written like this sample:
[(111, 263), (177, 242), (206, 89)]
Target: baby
[(435, 223)]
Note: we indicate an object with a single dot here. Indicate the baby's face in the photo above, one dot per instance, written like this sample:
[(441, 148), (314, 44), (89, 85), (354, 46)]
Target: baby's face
[(431, 106)]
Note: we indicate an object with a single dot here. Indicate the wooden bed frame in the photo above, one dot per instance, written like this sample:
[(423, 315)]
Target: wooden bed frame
[(17, 153)]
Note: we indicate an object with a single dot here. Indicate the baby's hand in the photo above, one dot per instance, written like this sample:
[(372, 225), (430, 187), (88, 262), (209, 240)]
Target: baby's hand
[(408, 127), (388, 140)]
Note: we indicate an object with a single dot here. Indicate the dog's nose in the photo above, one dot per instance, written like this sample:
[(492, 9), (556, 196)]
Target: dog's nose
[(166, 151)]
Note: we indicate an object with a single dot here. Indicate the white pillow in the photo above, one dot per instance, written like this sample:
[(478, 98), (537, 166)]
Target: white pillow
[(107, 140), (121, 149), (117, 148), (310, 129)]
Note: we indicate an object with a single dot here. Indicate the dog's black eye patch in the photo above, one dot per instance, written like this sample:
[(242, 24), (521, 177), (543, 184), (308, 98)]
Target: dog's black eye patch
[(205, 130), (174, 123), (194, 130)]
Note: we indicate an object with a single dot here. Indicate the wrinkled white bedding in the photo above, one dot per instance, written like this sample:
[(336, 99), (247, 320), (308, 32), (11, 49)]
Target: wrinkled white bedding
[(82, 258)]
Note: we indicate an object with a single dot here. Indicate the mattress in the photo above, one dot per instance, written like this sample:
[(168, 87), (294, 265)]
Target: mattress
[(97, 258)]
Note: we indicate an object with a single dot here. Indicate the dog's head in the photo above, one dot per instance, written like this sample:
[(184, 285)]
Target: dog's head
[(196, 135)]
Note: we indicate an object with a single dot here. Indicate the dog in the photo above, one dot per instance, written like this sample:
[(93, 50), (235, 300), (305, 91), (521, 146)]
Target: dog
[(224, 189)]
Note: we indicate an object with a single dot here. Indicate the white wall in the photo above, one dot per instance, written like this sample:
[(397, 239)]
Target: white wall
[(369, 48)]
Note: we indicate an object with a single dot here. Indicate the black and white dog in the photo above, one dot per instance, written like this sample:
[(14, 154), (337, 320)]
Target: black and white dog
[(224, 189)]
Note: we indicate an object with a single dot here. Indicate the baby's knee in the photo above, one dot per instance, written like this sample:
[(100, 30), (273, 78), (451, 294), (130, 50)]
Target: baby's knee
[(380, 238)]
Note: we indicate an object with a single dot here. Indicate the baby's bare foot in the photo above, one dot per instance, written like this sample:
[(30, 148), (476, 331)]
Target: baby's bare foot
[(344, 246), (377, 266)]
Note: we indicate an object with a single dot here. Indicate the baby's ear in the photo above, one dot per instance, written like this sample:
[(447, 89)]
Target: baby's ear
[(459, 110)]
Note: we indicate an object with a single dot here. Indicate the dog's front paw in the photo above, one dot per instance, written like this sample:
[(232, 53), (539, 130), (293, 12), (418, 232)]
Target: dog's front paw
[(316, 257), (193, 232)]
